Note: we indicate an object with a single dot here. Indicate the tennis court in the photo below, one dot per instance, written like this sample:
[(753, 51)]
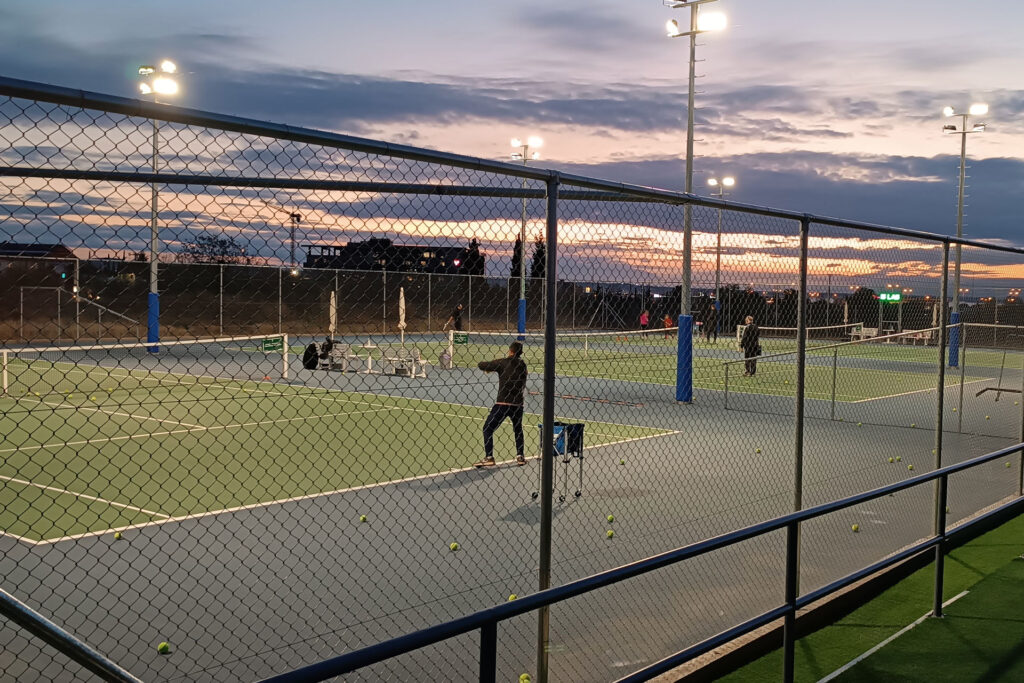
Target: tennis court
[(103, 442)]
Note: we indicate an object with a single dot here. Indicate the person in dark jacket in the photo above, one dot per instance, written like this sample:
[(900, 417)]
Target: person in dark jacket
[(509, 403), (711, 322), (750, 342), (455, 319)]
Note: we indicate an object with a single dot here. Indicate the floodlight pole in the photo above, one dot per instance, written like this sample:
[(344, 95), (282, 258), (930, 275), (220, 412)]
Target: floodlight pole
[(153, 317), (960, 213), (524, 152)]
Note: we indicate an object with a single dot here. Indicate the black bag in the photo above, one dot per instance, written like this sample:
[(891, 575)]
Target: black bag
[(309, 357)]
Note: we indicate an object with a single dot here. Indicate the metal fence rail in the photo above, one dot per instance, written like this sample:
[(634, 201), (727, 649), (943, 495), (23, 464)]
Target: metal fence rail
[(487, 621), (195, 489)]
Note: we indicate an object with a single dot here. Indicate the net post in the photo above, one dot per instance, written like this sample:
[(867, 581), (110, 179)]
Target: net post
[(954, 337), (284, 356), (451, 345), (684, 360)]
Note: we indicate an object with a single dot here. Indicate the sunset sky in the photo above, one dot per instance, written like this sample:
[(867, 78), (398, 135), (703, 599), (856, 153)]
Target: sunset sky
[(826, 107)]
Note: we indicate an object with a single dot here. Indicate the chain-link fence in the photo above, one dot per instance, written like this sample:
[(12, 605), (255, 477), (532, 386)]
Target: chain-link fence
[(244, 411)]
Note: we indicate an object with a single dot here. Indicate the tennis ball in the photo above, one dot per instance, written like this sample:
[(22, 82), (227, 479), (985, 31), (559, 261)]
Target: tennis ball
[(913, 424), (1016, 403), (910, 467), (362, 518), (898, 458), (785, 381), (954, 410), (163, 648), (622, 462), (525, 678), (860, 424), (856, 528), (92, 398), (610, 533), (933, 451), (454, 546), (1007, 464), (757, 450), (890, 460), (512, 597), (611, 518), (987, 417), (117, 536)]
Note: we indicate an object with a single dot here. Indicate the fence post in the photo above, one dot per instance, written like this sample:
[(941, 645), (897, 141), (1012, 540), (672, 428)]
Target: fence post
[(280, 299), (801, 367), (962, 335), (469, 306), (940, 494), (1020, 466), (488, 652), (726, 385), (384, 302), (220, 302), (548, 426), (21, 313), (835, 373), (792, 583), (942, 486), (429, 316)]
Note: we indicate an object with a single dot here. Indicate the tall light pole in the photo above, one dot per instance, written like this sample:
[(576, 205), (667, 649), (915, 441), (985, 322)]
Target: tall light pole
[(156, 81), (525, 155), (719, 191), (963, 131), (699, 23), (828, 302)]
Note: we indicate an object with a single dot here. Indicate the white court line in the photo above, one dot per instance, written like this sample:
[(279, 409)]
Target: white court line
[(309, 496), (61, 406), (86, 497), (128, 437), (952, 385), (876, 648)]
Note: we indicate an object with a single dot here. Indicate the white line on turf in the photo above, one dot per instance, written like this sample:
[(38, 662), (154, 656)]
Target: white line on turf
[(849, 665), (85, 496), (309, 496)]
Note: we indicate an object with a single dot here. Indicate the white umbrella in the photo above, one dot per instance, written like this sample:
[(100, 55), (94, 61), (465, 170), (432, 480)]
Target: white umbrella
[(332, 327), (401, 313)]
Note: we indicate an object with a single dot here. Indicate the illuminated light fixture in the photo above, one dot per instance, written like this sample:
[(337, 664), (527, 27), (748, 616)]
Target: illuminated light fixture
[(457, 262), (978, 109), (672, 28), (711, 21)]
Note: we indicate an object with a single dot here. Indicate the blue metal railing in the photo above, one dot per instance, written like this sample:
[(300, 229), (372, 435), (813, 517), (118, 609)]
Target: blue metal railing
[(486, 621)]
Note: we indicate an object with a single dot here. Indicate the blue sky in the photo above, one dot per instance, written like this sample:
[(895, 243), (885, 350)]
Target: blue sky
[(819, 106)]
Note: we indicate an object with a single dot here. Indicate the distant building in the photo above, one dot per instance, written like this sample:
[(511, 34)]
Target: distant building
[(55, 256), (382, 254)]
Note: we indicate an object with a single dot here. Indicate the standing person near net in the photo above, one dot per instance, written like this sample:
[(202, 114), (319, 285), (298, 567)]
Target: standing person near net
[(711, 322), (750, 342), (645, 318), (509, 403), (667, 324), (455, 319)]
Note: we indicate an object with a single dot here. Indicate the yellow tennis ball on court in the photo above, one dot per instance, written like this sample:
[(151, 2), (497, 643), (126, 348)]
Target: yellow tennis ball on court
[(362, 518), (622, 462), (856, 528), (913, 424), (890, 460), (1016, 403), (92, 398), (1007, 464), (117, 536), (610, 533), (898, 458), (910, 467), (163, 648), (954, 410), (860, 424), (525, 678), (512, 597), (454, 546), (611, 518), (987, 417)]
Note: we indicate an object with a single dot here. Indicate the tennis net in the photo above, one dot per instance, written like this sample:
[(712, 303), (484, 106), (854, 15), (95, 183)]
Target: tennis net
[(779, 337), (105, 368), (593, 349)]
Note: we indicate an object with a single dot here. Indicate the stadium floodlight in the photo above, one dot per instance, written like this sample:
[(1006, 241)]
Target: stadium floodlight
[(963, 130), (719, 185), (156, 81), (525, 155), (700, 22)]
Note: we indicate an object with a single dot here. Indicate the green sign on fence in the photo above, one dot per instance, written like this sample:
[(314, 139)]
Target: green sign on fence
[(890, 296), (460, 338), (273, 345)]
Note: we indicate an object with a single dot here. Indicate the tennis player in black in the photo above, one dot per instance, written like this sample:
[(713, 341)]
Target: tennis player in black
[(509, 404)]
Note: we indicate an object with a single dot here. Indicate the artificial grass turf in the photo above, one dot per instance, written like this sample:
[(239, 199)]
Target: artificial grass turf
[(826, 650)]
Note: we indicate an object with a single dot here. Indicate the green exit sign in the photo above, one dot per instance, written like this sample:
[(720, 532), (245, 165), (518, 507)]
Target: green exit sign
[(890, 296)]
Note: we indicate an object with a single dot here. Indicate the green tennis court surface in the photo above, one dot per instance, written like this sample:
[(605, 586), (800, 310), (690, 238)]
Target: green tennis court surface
[(141, 454), (652, 360)]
